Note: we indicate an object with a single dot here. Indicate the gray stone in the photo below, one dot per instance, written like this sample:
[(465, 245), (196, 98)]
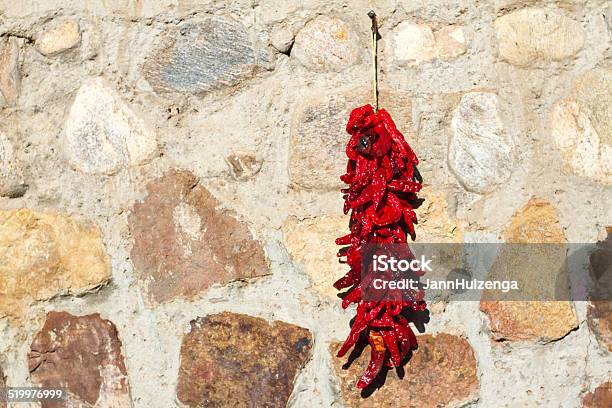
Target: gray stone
[(198, 57), (480, 150), (11, 177), (282, 39), (10, 77), (326, 44), (102, 134)]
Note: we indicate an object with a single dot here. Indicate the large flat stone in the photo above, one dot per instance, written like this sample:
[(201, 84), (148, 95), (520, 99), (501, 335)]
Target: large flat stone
[(82, 355), (103, 134), (480, 150), (43, 255), (441, 373), (10, 76), (533, 315), (326, 44), (196, 57), (12, 183), (233, 360), (581, 126), (534, 36), (319, 138), (184, 243)]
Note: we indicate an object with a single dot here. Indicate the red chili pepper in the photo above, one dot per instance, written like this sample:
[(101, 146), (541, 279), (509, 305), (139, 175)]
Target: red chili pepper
[(382, 183)]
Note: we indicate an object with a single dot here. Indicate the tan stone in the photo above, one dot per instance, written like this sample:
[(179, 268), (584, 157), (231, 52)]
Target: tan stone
[(45, 254), (318, 135), (581, 126), (11, 175), (532, 314), (326, 44), (441, 373), (184, 242), (10, 77), (58, 39), (82, 355), (311, 245), (233, 360), (416, 43), (532, 36), (601, 397), (435, 224), (243, 165)]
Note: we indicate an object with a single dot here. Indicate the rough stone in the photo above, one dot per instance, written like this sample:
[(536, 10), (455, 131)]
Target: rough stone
[(601, 397), (318, 135), (58, 39), (539, 270), (2, 386), (599, 318), (326, 44), (43, 255), (282, 40), (10, 77), (237, 360), (441, 373), (311, 243), (436, 225), (12, 183), (243, 165), (480, 150), (532, 36), (81, 354), (416, 43), (197, 57), (184, 243), (581, 126), (102, 134)]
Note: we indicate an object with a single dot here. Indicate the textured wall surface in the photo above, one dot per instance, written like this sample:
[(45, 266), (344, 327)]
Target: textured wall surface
[(169, 195)]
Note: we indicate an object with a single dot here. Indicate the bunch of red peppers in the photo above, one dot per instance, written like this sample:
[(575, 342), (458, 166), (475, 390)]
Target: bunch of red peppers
[(382, 180)]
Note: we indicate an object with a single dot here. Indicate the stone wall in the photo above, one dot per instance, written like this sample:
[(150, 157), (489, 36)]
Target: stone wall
[(169, 194)]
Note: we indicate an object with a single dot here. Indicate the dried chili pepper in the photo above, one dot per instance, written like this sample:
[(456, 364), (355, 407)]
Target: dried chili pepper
[(382, 180)]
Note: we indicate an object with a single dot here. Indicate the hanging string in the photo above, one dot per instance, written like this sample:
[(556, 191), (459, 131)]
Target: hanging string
[(375, 36)]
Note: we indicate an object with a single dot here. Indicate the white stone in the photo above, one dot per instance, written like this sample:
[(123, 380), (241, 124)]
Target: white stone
[(480, 149), (11, 177), (58, 39), (532, 35), (416, 43), (102, 134), (282, 40), (326, 44)]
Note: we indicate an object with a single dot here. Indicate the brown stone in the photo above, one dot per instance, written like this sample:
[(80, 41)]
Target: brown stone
[(45, 254), (2, 385), (81, 354), (311, 243), (233, 360), (441, 373), (184, 243), (539, 270), (243, 165), (10, 77), (601, 397), (318, 136), (599, 314), (599, 317)]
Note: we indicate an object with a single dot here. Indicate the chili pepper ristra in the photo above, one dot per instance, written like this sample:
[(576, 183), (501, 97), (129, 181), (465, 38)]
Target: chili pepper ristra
[(383, 182)]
